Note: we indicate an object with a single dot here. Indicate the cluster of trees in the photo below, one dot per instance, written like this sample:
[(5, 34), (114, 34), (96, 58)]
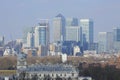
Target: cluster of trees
[(100, 73), (8, 63)]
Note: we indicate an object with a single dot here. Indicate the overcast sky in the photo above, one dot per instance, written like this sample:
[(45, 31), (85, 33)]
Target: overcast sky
[(16, 15)]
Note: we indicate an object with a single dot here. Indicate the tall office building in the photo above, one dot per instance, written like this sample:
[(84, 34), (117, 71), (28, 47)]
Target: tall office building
[(73, 33), (105, 43), (59, 28), (110, 42), (2, 41), (71, 22), (87, 30), (25, 33), (116, 34), (42, 33), (30, 39)]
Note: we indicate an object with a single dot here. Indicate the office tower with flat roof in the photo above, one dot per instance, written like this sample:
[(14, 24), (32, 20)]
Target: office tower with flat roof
[(30, 39), (25, 33), (105, 42), (71, 22), (42, 37), (116, 38), (42, 33), (110, 42), (2, 41), (116, 32), (87, 30), (59, 28)]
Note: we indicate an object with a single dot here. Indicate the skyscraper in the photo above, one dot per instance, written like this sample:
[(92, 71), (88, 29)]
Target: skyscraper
[(2, 40), (73, 33), (59, 28), (42, 33), (30, 39), (25, 33), (71, 22), (105, 43), (116, 34), (87, 30)]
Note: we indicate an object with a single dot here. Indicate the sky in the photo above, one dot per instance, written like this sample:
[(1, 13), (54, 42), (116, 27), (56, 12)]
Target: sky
[(17, 15)]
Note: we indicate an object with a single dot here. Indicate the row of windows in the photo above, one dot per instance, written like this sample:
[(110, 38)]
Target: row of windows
[(54, 75)]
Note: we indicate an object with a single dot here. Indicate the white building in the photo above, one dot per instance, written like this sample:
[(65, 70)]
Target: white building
[(52, 71), (76, 50), (64, 57), (9, 52)]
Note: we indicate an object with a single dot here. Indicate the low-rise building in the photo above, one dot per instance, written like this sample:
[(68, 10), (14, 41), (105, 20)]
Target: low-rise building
[(42, 71), (52, 71)]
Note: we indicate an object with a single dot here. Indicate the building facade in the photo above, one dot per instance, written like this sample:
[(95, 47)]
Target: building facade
[(71, 22), (73, 33), (87, 30), (30, 39), (42, 34), (52, 72), (116, 32), (116, 38), (105, 43), (2, 41), (59, 28)]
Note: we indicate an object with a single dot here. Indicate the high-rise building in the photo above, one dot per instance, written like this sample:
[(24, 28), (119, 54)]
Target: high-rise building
[(30, 39), (25, 33), (59, 28), (116, 32), (71, 22), (42, 33), (2, 41), (73, 33), (87, 30), (110, 42), (105, 43), (116, 38)]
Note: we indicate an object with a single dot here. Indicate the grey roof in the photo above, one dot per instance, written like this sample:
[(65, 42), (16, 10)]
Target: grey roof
[(51, 68)]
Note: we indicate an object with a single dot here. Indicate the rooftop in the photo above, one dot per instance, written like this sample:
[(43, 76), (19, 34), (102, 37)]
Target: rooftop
[(51, 68)]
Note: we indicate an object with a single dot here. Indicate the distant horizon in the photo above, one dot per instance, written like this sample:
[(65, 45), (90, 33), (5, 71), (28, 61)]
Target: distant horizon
[(17, 15)]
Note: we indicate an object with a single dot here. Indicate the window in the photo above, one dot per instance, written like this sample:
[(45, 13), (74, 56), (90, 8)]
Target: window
[(52, 75), (65, 75), (40, 75), (72, 74)]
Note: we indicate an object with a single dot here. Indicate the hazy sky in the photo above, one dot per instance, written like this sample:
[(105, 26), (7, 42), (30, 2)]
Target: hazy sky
[(16, 15)]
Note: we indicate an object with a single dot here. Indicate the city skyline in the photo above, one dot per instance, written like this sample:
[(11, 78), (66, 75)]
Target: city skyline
[(17, 15)]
